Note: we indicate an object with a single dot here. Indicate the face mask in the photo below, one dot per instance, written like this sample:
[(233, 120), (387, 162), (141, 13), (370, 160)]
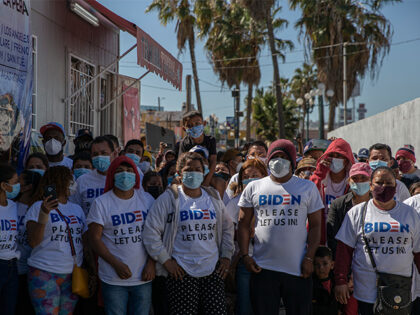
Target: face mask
[(263, 159), (125, 180), (206, 170), (155, 191), (377, 163), (195, 132), (101, 162), (38, 170), (360, 188), (73, 188), (239, 166), (15, 191), (307, 174), (144, 166), (134, 157), (383, 193), (337, 165), (404, 165), (170, 179), (248, 180), (192, 180), (53, 147), (77, 172), (279, 167), (222, 175)]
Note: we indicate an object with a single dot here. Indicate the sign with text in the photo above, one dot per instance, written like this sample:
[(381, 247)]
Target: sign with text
[(131, 114), (156, 59)]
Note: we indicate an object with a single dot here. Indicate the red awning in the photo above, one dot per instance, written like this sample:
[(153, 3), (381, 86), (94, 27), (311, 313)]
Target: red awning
[(122, 23)]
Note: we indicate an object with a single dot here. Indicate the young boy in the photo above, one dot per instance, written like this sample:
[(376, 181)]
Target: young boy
[(323, 299), (193, 125)]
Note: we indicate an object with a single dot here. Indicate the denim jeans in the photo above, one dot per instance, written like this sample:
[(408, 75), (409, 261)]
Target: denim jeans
[(122, 300), (243, 303), (9, 283)]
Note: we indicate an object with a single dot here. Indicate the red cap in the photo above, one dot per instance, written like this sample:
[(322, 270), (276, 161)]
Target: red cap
[(283, 145), (407, 153), (109, 182), (360, 169)]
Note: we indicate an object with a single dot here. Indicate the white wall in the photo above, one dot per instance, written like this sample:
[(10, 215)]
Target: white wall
[(397, 126)]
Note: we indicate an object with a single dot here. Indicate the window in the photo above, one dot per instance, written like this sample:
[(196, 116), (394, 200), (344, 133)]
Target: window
[(34, 81), (107, 111), (81, 108)]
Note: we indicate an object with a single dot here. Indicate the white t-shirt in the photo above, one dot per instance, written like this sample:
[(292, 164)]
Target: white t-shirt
[(402, 192), (333, 190), (414, 202), (229, 192), (232, 209), (23, 244), (89, 187), (53, 254), (8, 231), (281, 212), (67, 162), (195, 246), (123, 224), (393, 237)]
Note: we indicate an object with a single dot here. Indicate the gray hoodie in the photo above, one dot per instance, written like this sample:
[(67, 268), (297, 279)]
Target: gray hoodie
[(162, 225)]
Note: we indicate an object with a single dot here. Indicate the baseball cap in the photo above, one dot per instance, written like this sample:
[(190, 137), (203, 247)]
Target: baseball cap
[(52, 125), (84, 132), (363, 153), (202, 150), (316, 144), (360, 168)]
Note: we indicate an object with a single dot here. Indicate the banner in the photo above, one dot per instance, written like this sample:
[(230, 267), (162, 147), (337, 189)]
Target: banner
[(156, 59), (15, 78), (131, 114)]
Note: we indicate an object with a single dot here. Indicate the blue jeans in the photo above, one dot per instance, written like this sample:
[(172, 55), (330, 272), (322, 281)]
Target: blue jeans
[(9, 283), (243, 303), (122, 300)]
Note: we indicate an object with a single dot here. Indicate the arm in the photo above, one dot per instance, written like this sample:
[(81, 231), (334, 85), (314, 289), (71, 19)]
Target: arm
[(212, 168), (342, 267), (245, 219), (314, 237), (227, 246), (322, 168), (95, 239), (36, 229)]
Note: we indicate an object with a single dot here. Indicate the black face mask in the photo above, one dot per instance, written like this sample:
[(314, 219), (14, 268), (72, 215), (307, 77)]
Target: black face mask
[(223, 176), (155, 191)]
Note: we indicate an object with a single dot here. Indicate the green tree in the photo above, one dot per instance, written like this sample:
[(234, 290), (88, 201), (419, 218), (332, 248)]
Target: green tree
[(265, 118), (184, 13), (332, 23)]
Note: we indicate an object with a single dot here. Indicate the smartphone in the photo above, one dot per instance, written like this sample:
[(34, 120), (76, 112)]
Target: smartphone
[(50, 190)]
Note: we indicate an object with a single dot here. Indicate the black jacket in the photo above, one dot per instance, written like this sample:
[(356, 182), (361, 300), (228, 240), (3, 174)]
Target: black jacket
[(338, 209), (324, 303)]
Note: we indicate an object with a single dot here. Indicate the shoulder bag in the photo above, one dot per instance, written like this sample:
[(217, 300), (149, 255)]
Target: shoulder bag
[(393, 291)]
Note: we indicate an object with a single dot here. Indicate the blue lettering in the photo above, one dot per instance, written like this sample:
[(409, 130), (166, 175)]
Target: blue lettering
[(212, 214), (144, 215), (368, 227), (277, 200), (184, 215), (130, 217), (263, 200), (5, 225), (20, 220), (405, 228), (90, 193), (296, 199), (54, 217), (376, 227), (198, 215), (270, 197), (115, 220), (384, 227)]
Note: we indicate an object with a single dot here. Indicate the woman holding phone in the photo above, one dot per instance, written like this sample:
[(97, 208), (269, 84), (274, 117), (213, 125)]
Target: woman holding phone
[(51, 263)]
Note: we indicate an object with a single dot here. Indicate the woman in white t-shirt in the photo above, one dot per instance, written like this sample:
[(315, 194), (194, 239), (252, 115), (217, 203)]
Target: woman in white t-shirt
[(393, 232), (50, 222), (9, 189), (250, 171), (189, 232), (116, 221)]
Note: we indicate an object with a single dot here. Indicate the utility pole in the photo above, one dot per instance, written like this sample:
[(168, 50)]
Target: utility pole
[(345, 81), (158, 103), (188, 88), (235, 95)]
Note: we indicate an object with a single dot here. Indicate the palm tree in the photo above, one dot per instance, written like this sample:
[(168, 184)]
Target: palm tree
[(262, 11), (366, 32), (182, 11)]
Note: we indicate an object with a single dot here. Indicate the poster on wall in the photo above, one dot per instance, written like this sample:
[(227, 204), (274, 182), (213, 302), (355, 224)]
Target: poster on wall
[(131, 114), (16, 75)]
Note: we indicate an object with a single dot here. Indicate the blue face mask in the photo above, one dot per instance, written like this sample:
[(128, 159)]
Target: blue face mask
[(206, 170), (377, 163), (125, 180), (196, 131), (192, 180), (360, 188), (15, 191), (170, 179), (144, 166), (80, 171), (134, 157), (248, 180), (101, 162), (38, 170)]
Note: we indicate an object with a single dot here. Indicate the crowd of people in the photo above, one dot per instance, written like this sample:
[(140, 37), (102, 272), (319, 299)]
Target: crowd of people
[(314, 229)]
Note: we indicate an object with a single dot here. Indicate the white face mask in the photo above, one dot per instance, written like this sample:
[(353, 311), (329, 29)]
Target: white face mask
[(53, 147), (337, 165), (279, 167)]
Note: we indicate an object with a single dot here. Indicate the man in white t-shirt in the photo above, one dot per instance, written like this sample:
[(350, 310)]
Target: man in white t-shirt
[(284, 249), (54, 140), (92, 185), (380, 155)]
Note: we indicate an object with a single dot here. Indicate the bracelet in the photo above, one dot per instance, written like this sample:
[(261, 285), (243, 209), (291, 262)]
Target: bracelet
[(308, 258), (242, 256), (43, 217)]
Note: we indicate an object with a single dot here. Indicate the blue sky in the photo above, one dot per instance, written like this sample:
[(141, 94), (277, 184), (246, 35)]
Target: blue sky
[(396, 83)]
